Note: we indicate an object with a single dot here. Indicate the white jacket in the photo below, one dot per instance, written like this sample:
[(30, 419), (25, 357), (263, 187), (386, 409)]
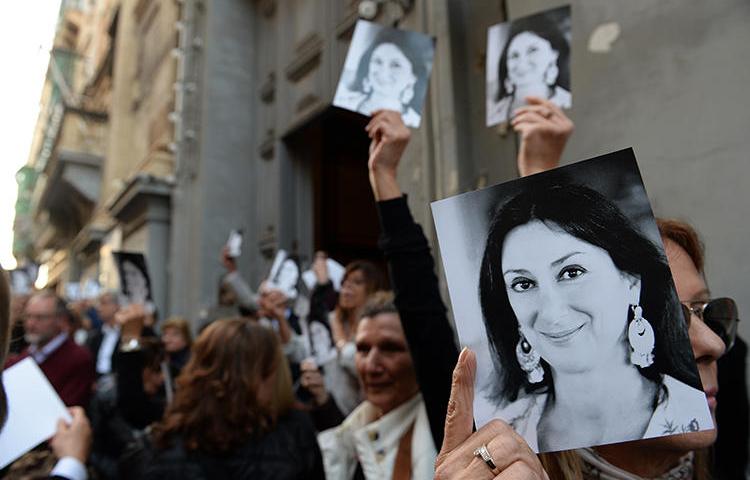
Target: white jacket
[(375, 442)]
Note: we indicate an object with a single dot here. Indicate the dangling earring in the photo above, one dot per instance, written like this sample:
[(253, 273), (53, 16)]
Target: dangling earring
[(509, 86), (641, 338), (366, 87), (407, 94), (550, 76), (528, 359)]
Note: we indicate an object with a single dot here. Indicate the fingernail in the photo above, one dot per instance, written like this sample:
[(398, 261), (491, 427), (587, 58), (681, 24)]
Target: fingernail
[(462, 355)]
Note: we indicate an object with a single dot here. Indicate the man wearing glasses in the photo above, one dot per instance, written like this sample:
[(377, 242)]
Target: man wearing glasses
[(67, 366)]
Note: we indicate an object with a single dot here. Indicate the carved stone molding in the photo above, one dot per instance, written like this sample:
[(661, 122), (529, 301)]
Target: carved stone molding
[(267, 146), (307, 101), (306, 58), (267, 90)]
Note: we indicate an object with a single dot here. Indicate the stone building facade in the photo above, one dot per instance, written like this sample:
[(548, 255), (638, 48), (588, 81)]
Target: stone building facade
[(218, 117)]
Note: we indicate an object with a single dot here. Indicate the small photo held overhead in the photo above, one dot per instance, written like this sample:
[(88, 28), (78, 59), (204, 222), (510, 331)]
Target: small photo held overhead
[(135, 283), (529, 56), (284, 274), (560, 284), (234, 243), (386, 68)]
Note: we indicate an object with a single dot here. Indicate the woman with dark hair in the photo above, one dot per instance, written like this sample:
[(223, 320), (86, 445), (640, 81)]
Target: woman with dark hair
[(577, 302), (336, 389), (137, 285), (391, 74), (534, 62), (429, 335), (232, 414)]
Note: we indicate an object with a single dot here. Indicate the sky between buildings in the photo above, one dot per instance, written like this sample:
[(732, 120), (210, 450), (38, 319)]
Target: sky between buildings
[(25, 41)]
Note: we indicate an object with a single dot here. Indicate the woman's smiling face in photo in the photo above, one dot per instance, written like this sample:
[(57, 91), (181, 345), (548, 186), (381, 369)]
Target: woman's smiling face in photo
[(390, 72), (569, 298), (529, 57)]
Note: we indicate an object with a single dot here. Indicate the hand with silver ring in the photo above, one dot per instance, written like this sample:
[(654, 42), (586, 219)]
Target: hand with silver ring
[(484, 454), (495, 451)]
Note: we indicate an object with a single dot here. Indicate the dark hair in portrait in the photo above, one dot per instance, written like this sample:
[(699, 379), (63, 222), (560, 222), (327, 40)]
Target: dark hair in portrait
[(589, 216), (416, 48), (543, 25), (137, 261)]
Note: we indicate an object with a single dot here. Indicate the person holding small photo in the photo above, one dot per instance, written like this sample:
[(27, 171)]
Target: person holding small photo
[(392, 74), (497, 451), (534, 62), (337, 369)]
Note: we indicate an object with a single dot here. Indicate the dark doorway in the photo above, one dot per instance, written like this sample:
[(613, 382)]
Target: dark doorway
[(345, 220)]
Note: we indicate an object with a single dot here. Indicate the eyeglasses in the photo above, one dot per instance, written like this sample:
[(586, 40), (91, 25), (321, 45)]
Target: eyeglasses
[(37, 316), (719, 314)]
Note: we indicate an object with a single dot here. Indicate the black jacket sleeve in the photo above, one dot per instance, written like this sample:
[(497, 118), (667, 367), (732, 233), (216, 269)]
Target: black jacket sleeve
[(323, 299), (423, 314), (327, 415), (137, 408)]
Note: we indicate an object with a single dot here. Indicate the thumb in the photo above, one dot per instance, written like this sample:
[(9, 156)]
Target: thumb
[(459, 420), (62, 426)]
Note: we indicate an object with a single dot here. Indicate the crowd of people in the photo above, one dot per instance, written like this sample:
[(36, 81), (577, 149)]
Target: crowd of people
[(365, 384)]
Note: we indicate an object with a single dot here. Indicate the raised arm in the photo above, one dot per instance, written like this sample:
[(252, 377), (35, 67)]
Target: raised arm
[(494, 451), (544, 130), (412, 271), (245, 295)]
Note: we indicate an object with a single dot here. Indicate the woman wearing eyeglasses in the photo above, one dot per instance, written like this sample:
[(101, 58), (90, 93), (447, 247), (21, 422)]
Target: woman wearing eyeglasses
[(712, 327)]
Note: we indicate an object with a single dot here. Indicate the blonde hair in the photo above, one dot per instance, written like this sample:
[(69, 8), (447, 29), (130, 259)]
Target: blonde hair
[(565, 465), (181, 325), (568, 465)]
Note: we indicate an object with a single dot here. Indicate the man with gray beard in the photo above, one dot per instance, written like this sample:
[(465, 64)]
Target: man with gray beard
[(67, 366)]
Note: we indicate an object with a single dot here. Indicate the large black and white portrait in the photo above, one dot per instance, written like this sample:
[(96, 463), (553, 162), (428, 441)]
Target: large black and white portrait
[(135, 283), (529, 56), (560, 284), (386, 68)]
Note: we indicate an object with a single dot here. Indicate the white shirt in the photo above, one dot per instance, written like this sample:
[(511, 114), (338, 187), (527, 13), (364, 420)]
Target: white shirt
[(375, 442), (41, 354), (71, 468), (110, 336)]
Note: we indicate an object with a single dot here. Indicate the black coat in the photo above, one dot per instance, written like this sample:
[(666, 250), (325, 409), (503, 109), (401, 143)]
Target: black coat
[(289, 452), (423, 315)]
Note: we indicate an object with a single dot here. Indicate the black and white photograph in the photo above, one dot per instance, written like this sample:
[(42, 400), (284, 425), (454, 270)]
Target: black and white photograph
[(560, 284), (284, 274), (135, 283), (529, 56), (386, 68)]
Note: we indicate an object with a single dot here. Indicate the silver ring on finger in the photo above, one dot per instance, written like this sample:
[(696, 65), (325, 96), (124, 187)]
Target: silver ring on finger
[(484, 454)]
